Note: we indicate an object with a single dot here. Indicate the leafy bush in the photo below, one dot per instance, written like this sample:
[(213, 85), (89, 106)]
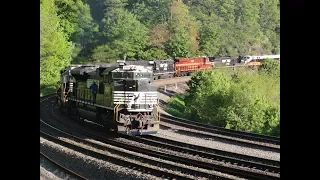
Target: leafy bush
[(241, 100), (47, 90), (176, 106)]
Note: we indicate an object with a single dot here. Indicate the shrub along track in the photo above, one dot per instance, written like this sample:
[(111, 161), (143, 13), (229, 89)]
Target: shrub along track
[(208, 131)]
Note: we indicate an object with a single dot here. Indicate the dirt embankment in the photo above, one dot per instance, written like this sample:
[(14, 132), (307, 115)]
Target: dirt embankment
[(168, 87)]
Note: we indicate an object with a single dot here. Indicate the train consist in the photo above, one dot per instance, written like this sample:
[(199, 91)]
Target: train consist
[(242, 60), (186, 66), (177, 67), (120, 97)]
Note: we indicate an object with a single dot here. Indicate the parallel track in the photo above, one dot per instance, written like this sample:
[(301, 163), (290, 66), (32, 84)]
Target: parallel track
[(214, 151), (222, 156), (216, 134), (179, 159), (125, 163), (72, 174), (59, 166), (271, 166), (220, 130)]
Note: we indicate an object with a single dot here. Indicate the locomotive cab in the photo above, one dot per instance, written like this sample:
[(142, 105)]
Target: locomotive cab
[(135, 99)]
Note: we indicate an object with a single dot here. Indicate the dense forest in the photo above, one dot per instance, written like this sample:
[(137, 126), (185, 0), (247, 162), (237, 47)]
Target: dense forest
[(247, 100), (77, 31)]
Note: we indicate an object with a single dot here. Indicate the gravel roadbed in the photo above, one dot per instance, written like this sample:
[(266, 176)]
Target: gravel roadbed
[(169, 134), (145, 156), (195, 157), (51, 173), (161, 160), (225, 146), (177, 127), (87, 166)]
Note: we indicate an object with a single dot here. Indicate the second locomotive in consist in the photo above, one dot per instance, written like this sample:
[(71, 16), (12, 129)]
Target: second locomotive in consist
[(121, 98)]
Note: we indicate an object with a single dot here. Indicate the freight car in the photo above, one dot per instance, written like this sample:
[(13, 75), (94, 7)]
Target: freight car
[(225, 60), (125, 100), (252, 59)]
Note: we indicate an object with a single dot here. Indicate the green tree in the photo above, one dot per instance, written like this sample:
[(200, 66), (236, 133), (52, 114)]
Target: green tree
[(55, 51), (225, 9), (271, 67), (201, 86), (127, 36), (104, 53), (150, 12), (77, 24), (241, 100), (269, 21), (112, 11), (183, 31), (209, 43)]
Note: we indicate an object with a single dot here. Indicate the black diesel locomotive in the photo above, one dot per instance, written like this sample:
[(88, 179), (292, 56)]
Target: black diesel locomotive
[(125, 101), (161, 68)]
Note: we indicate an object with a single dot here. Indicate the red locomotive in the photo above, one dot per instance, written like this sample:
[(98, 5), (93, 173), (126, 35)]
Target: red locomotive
[(185, 66)]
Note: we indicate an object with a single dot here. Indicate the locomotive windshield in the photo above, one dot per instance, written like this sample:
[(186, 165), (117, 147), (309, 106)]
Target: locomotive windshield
[(139, 75), (131, 75), (122, 75)]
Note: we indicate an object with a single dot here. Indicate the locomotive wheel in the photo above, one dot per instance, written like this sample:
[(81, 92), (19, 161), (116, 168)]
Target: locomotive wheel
[(60, 105), (70, 111), (127, 130), (77, 115)]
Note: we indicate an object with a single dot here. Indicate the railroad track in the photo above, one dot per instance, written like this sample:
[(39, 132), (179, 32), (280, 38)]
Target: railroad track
[(125, 163), (46, 97), (259, 141), (272, 167), (214, 154), (223, 131), (157, 172), (63, 169), (219, 130), (215, 151), (178, 159)]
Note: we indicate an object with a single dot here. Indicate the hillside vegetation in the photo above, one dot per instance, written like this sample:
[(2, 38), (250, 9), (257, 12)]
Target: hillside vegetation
[(77, 31), (242, 100)]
